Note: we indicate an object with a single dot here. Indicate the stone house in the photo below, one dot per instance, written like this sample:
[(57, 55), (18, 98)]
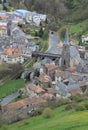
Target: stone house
[(11, 55), (34, 90), (61, 75), (22, 109), (85, 38), (49, 69), (43, 80), (3, 29)]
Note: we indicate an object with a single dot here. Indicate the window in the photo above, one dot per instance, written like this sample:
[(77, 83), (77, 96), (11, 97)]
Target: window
[(64, 62)]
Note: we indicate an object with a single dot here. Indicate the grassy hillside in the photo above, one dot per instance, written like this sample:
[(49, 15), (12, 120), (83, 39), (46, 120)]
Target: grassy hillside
[(10, 87), (79, 10), (62, 120), (59, 12), (79, 27)]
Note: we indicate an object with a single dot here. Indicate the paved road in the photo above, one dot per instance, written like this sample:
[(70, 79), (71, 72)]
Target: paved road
[(53, 42), (9, 98)]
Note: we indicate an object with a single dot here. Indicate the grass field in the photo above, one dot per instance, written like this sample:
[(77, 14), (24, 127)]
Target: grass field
[(10, 86), (62, 120), (79, 28)]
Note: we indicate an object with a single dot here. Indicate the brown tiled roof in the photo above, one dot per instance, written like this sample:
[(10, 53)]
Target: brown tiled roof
[(76, 91), (14, 56), (10, 51), (83, 83), (3, 27), (71, 69), (35, 88), (60, 73), (3, 17), (44, 78), (16, 105), (51, 67), (23, 103), (51, 90), (47, 95), (63, 74)]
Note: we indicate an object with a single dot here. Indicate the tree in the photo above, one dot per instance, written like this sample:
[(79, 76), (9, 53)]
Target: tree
[(41, 32), (48, 113), (36, 73), (1, 7), (49, 84)]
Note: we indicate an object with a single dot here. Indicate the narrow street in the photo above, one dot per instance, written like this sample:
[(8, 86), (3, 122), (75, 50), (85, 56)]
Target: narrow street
[(9, 98)]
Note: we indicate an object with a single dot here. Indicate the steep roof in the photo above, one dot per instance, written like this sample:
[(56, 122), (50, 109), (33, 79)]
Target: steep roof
[(35, 88), (76, 91), (66, 41), (51, 67), (44, 78)]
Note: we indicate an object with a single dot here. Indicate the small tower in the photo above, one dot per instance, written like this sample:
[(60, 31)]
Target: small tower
[(65, 60)]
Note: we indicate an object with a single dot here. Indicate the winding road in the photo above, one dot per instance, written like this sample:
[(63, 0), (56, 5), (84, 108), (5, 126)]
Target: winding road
[(9, 98), (54, 40)]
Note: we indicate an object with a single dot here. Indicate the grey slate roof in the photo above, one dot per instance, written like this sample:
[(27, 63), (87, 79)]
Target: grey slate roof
[(46, 61), (66, 41), (73, 86), (66, 88), (63, 88)]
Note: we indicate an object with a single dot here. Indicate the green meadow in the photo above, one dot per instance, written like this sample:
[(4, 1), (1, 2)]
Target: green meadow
[(79, 28), (10, 87), (62, 120)]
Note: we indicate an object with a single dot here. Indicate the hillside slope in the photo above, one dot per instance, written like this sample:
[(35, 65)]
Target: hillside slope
[(68, 10), (62, 120)]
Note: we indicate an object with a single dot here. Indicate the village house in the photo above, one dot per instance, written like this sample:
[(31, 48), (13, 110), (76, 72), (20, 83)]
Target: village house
[(17, 20), (86, 55), (48, 96), (3, 29), (43, 80), (3, 16), (72, 85), (30, 17), (61, 75), (50, 70), (82, 51), (85, 38), (22, 109), (26, 52), (11, 56), (82, 68), (34, 90), (15, 58), (76, 91), (50, 93)]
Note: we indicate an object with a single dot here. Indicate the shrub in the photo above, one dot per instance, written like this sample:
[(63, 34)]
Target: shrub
[(39, 111), (26, 123), (47, 113), (70, 106), (54, 103), (76, 98), (86, 106), (81, 107), (63, 101)]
